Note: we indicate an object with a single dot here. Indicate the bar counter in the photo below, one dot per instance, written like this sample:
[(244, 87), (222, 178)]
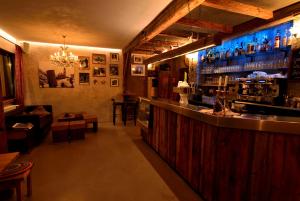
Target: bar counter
[(266, 123), (238, 158)]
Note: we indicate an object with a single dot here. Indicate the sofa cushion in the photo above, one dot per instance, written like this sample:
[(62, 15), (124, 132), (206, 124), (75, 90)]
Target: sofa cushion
[(40, 110), (45, 120)]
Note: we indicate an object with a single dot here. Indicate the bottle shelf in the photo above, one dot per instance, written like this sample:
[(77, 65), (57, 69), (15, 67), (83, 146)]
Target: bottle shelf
[(260, 53), (245, 70), (213, 85)]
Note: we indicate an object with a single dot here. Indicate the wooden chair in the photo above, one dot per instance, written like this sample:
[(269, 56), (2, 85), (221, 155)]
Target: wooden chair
[(130, 110), (115, 105), (14, 175)]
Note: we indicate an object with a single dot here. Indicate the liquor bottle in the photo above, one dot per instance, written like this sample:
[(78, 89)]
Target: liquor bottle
[(277, 40), (217, 54), (228, 54), (211, 56), (263, 45), (241, 50), (285, 39), (289, 39), (236, 50)]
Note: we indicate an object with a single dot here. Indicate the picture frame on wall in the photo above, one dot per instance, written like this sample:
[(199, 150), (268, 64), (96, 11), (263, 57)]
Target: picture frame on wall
[(114, 57), (137, 59), (99, 71), (84, 62), (114, 82), (114, 70), (138, 69), (84, 78), (98, 58), (51, 76)]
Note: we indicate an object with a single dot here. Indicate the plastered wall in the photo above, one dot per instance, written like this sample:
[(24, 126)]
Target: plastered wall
[(93, 98)]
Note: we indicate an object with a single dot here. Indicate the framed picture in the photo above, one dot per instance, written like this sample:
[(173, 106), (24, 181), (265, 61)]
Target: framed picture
[(137, 59), (114, 82), (98, 58), (114, 57), (113, 69), (84, 78), (138, 70), (84, 63), (99, 71), (55, 77)]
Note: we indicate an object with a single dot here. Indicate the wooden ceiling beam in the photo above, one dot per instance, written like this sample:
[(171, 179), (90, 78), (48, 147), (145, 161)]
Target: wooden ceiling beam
[(172, 36), (163, 43), (145, 52), (171, 14), (199, 44), (241, 8), (195, 23), (184, 34), (280, 16)]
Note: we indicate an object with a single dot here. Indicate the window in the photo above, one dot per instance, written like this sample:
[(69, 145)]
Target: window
[(7, 79)]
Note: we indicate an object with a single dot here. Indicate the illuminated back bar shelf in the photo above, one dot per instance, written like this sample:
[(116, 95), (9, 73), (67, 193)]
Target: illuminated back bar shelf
[(240, 63)]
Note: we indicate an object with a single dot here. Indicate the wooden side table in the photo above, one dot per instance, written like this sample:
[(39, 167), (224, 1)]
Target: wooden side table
[(91, 119)]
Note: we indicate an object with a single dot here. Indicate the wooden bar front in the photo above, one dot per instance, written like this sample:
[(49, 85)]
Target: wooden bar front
[(227, 164)]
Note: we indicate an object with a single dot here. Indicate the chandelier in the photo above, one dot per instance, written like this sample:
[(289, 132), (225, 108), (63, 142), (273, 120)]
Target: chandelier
[(63, 57)]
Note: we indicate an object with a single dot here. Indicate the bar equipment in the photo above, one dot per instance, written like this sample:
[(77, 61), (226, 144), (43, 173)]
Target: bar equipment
[(183, 89), (221, 104), (262, 90)]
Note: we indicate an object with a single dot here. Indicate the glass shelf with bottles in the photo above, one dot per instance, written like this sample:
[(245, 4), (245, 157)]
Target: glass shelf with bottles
[(267, 49), (278, 64), (212, 81)]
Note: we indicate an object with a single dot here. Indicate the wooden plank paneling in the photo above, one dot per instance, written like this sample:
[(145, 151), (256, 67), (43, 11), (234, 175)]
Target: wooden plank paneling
[(290, 174), (226, 164), (260, 175), (194, 176), (233, 164), (171, 138), (163, 133), (207, 164), (183, 148)]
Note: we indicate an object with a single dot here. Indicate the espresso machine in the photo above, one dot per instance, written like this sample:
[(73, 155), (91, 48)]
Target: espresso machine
[(270, 91)]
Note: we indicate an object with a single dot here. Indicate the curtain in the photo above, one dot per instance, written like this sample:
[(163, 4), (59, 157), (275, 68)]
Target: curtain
[(19, 76)]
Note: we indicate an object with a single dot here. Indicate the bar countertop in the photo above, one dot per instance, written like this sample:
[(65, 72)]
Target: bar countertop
[(264, 123)]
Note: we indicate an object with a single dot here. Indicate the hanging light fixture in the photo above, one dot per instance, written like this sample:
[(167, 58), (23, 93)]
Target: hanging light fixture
[(64, 58)]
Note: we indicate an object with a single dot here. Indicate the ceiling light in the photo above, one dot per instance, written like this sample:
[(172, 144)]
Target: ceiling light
[(295, 30), (90, 48), (64, 58), (8, 37), (193, 56)]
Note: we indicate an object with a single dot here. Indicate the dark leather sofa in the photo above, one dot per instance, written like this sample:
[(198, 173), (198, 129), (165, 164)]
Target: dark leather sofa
[(42, 122)]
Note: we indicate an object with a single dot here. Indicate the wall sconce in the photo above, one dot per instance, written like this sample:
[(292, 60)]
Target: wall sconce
[(150, 67)]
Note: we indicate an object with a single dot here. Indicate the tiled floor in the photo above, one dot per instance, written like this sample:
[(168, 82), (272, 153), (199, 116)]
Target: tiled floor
[(111, 165)]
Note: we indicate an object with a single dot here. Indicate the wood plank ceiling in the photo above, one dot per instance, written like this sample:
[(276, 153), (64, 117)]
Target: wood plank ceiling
[(186, 21)]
